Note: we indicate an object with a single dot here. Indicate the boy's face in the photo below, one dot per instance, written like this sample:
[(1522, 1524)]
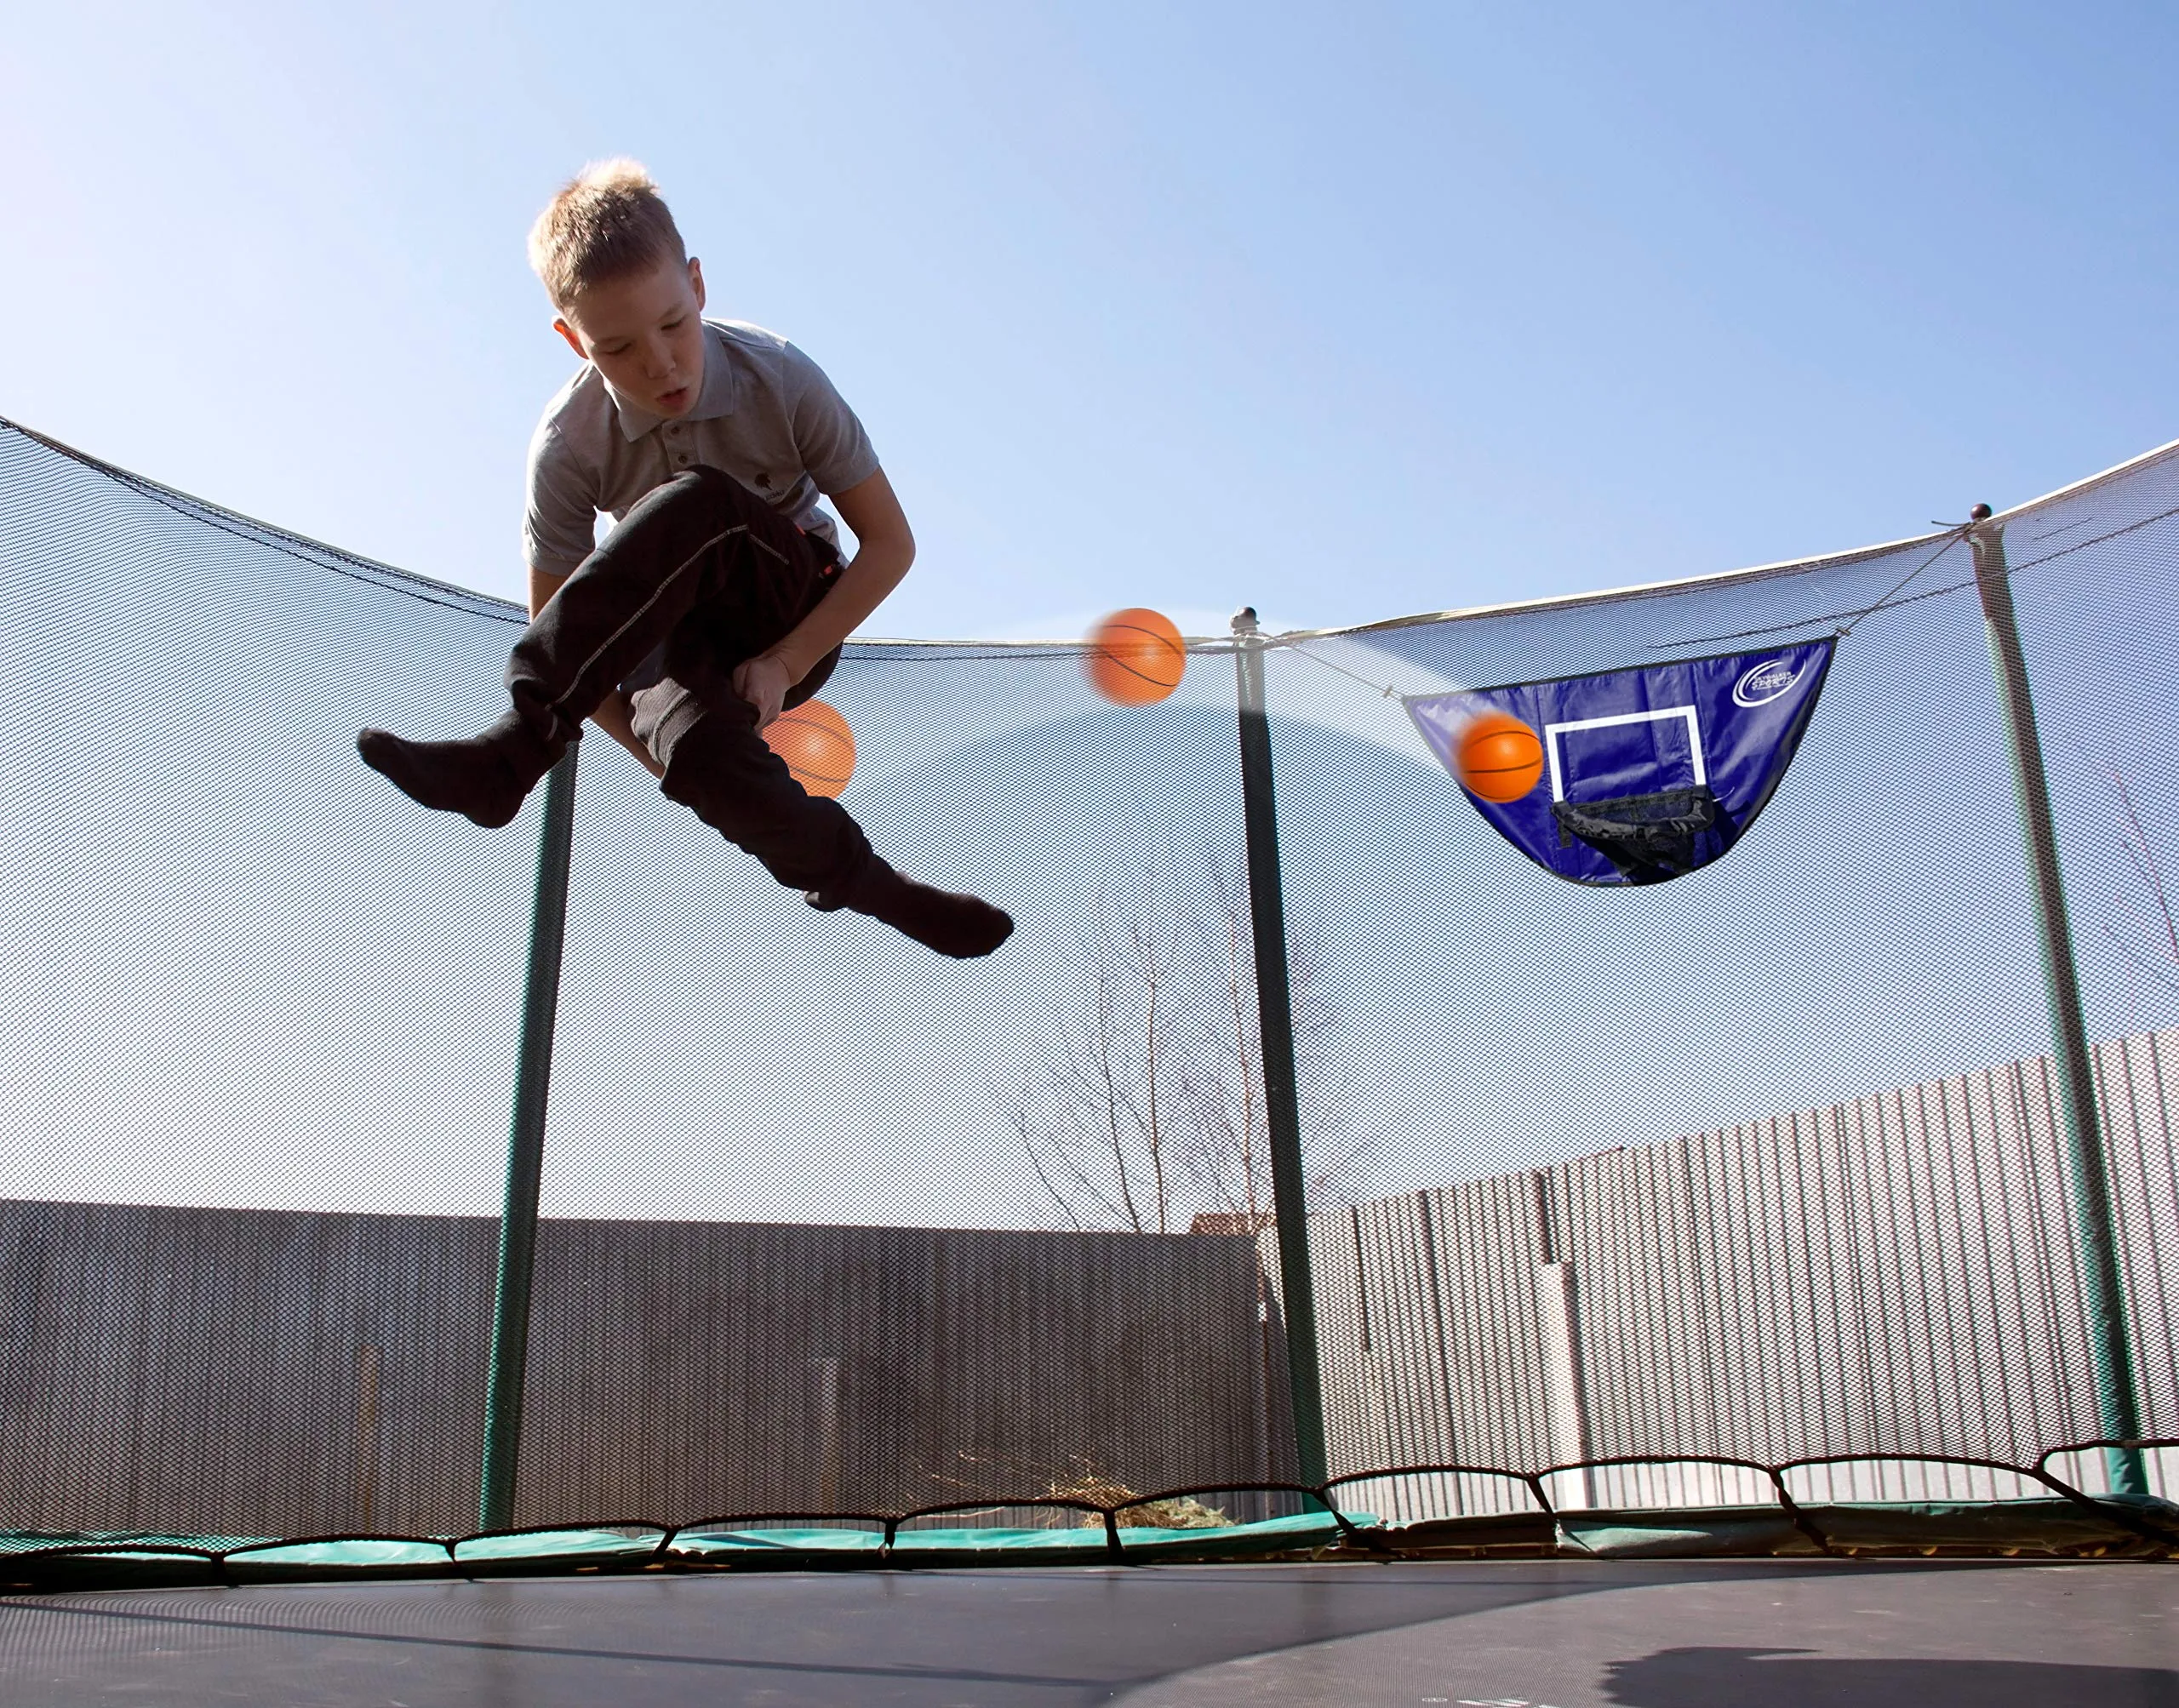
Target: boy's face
[(642, 332)]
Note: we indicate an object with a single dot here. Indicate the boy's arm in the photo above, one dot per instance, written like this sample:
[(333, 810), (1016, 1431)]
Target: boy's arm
[(884, 548), (612, 715)]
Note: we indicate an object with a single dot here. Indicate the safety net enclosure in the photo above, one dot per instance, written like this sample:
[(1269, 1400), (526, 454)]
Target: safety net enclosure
[(1316, 1167)]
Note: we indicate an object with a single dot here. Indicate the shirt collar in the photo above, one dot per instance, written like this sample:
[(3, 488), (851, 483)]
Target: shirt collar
[(714, 400)]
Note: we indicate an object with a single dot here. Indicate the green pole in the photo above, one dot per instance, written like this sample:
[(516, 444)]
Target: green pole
[(510, 1358), (1275, 1018), (2081, 1131)]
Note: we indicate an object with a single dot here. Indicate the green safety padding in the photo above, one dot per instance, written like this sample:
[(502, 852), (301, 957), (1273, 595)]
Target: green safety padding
[(1731, 1532), (1080, 1546), (344, 1555), (2120, 1525), (782, 1551), (1524, 1533), (550, 1545), (1240, 1541), (117, 1541), (2039, 1527), (2030, 1527), (802, 1550), (133, 1562), (543, 1552), (291, 1562), (137, 1561)]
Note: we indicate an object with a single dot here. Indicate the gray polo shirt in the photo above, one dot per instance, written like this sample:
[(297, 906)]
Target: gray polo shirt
[(767, 415)]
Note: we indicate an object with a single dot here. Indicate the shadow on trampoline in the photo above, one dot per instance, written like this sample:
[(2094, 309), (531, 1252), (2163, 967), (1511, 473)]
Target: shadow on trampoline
[(1703, 1678)]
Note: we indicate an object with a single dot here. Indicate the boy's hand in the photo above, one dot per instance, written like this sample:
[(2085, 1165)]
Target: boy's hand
[(763, 681)]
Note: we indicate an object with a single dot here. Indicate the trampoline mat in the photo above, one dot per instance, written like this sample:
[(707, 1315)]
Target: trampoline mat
[(1527, 1634)]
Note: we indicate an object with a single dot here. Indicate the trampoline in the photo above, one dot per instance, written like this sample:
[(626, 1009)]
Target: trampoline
[(1328, 1256), (1497, 1635)]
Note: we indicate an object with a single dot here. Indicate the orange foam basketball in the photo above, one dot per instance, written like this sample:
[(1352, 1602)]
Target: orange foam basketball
[(1499, 757), (817, 746), (1136, 657)]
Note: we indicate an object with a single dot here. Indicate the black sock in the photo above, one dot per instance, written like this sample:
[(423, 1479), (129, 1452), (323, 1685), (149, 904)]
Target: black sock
[(962, 926), (485, 778)]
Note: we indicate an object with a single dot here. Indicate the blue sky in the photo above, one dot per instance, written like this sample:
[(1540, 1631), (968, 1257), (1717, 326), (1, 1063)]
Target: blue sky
[(1344, 311)]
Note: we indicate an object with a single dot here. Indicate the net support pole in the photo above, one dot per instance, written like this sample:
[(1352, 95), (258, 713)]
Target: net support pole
[(518, 1259), (1275, 1021), (2080, 1130)]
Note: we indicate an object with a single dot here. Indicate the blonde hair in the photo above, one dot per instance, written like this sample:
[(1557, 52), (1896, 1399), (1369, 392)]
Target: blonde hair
[(607, 221)]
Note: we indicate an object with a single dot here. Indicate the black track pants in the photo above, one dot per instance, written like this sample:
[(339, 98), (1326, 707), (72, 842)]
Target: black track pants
[(698, 576)]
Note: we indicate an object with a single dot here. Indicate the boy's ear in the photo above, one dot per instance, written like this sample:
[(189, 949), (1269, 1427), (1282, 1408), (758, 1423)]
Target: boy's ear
[(574, 343), (696, 281)]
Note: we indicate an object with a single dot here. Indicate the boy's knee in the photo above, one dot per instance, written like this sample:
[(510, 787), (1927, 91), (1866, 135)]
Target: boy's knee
[(706, 497), (700, 491), (717, 488)]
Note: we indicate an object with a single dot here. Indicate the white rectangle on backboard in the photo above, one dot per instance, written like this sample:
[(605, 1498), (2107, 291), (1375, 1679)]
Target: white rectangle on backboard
[(1552, 732)]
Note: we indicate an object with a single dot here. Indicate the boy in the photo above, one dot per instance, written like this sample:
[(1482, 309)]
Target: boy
[(720, 597)]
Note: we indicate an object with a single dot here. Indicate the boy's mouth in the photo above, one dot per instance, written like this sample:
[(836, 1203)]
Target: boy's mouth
[(674, 399)]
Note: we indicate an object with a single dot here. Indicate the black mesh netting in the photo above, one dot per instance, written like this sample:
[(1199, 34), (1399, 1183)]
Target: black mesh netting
[(1762, 1163)]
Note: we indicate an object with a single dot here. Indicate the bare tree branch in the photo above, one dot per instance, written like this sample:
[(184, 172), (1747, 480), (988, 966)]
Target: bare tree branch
[(1157, 1053), (2149, 941)]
